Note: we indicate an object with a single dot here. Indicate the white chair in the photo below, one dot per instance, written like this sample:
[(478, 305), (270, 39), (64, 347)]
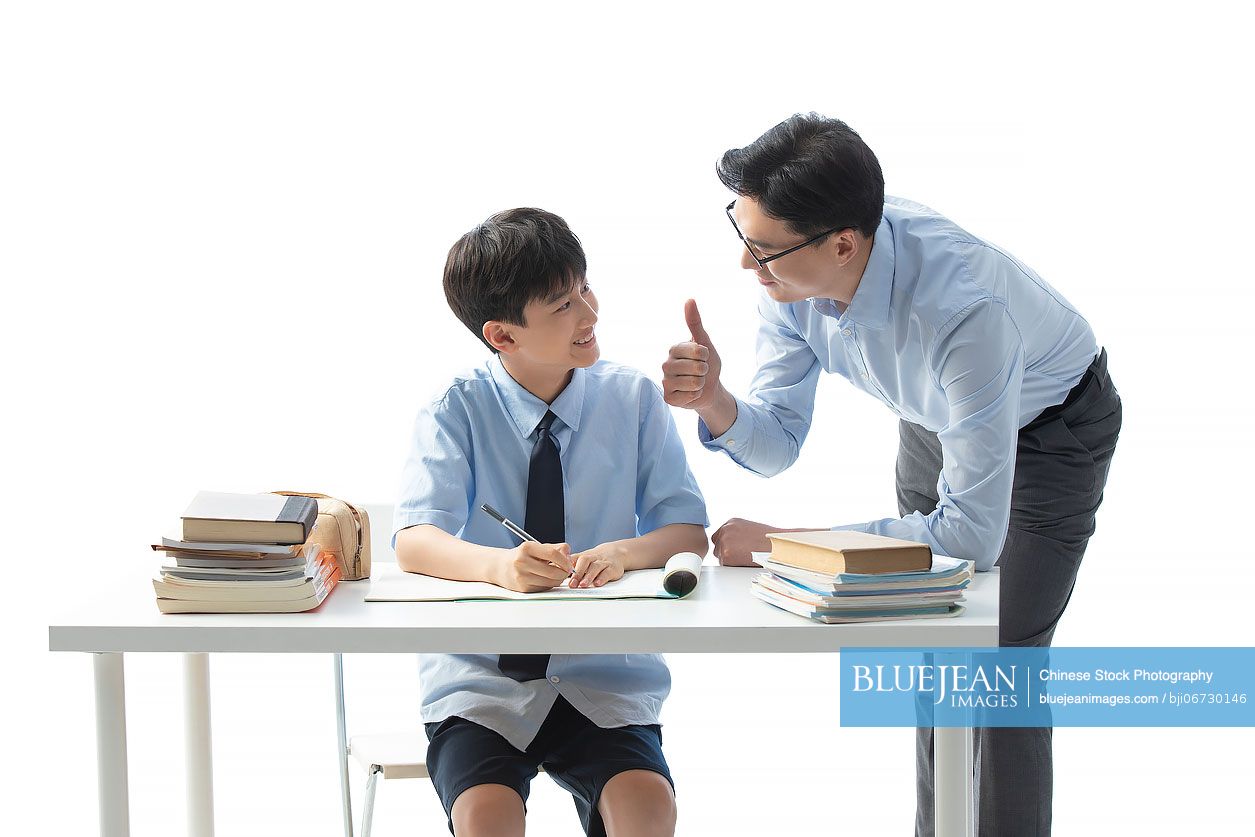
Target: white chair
[(400, 755), (390, 756), (394, 756)]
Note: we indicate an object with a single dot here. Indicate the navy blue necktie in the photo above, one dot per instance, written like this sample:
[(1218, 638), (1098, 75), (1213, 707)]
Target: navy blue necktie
[(546, 522)]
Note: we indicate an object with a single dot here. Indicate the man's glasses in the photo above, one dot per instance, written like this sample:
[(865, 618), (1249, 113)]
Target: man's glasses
[(762, 262)]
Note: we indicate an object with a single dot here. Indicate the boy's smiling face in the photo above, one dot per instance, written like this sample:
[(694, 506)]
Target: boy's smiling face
[(559, 334)]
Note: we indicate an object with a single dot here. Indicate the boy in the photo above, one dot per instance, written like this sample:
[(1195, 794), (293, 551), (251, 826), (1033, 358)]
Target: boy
[(585, 455)]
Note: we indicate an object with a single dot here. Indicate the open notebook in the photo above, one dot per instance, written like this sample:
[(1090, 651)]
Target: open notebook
[(677, 579)]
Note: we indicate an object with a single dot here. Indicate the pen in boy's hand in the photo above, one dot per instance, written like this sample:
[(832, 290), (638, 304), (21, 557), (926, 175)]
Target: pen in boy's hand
[(515, 529), (507, 523)]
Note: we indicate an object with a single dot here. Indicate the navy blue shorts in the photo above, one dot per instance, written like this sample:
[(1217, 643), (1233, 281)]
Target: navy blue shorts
[(579, 755)]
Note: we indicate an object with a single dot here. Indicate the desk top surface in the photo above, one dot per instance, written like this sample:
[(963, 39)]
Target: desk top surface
[(721, 616)]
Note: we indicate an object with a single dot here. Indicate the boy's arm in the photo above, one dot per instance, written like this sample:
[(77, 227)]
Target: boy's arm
[(608, 561), (437, 491), (528, 568)]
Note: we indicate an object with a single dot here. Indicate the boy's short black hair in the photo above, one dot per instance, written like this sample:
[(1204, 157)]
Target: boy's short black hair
[(812, 172), (511, 259)]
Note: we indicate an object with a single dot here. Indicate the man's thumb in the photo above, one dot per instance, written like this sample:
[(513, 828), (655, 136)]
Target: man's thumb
[(694, 320)]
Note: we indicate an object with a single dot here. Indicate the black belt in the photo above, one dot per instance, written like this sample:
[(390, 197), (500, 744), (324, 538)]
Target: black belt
[(1095, 374)]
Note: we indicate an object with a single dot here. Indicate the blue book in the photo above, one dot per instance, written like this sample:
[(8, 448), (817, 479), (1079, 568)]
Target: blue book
[(945, 572)]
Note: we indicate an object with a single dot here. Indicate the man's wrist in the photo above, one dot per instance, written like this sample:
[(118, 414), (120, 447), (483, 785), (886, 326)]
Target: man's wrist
[(721, 415)]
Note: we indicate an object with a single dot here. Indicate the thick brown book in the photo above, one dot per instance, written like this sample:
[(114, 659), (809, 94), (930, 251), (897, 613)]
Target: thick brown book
[(831, 552)]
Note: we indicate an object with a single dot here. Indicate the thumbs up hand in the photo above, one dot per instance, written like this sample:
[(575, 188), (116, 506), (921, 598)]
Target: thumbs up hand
[(690, 375), (693, 319)]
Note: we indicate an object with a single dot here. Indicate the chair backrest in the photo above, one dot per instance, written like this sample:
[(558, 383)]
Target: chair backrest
[(380, 532)]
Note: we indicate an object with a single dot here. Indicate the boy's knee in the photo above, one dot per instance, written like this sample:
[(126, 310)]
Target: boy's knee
[(638, 802), (488, 811)]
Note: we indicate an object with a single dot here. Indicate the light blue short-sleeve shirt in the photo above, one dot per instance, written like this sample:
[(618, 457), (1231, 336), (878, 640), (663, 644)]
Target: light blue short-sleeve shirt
[(624, 474)]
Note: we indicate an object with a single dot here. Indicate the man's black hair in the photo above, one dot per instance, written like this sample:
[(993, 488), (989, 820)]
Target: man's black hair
[(812, 172), (510, 260)]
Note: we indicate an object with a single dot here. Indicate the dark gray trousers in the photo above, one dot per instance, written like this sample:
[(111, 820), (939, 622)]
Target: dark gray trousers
[(1061, 468)]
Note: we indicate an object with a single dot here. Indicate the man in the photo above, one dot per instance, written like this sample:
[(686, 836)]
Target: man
[(1008, 418)]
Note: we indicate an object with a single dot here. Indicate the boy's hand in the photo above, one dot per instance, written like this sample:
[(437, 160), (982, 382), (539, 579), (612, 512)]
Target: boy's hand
[(594, 567), (533, 567)]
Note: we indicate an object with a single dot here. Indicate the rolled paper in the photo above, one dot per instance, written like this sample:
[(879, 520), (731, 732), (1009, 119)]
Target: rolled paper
[(679, 577)]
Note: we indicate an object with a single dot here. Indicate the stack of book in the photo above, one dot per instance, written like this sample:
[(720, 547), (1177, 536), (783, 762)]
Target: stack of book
[(245, 553), (856, 577)]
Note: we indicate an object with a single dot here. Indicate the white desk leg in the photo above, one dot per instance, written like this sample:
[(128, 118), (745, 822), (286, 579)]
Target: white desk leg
[(198, 739), (952, 775), (111, 781)]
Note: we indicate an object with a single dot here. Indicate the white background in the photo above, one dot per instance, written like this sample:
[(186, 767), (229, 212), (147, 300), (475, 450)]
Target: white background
[(221, 233)]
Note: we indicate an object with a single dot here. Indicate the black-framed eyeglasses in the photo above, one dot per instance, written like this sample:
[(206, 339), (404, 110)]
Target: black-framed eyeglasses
[(763, 261)]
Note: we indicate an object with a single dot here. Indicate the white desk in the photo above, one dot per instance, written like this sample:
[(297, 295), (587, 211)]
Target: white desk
[(721, 616)]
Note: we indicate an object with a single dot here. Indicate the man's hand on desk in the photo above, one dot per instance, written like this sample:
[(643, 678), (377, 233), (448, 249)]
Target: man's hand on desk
[(736, 539), (534, 567)]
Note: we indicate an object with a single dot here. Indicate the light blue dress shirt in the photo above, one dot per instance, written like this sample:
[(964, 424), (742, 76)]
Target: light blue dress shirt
[(624, 474), (949, 332)]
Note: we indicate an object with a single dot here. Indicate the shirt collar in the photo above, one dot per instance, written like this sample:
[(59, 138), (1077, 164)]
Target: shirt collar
[(870, 306), (526, 410)]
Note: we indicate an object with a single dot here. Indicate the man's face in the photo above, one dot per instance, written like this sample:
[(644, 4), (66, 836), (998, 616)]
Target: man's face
[(559, 333), (809, 272)]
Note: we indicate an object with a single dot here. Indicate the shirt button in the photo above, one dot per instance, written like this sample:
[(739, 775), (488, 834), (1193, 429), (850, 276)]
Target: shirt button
[(731, 442), (846, 332), (555, 679)]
